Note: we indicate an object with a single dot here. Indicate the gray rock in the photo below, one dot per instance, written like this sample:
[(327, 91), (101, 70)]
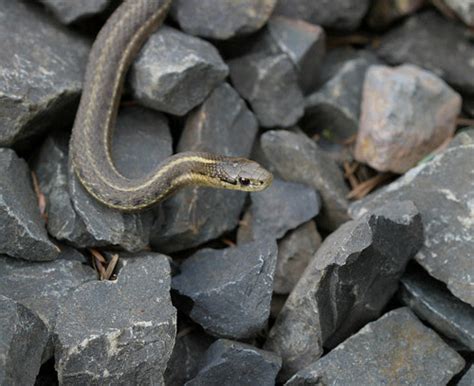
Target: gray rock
[(303, 42), (22, 231), (42, 65), (397, 349), (468, 378), (23, 338), (68, 12), (338, 112), (463, 137), (443, 191), (385, 12), (118, 332), (336, 14), (281, 207), (406, 113), (295, 157), (222, 124), (42, 287), (228, 291), (188, 352), (464, 10), (433, 303), (349, 280), (435, 44), (295, 251), (175, 72), (270, 84), (222, 19), (233, 363)]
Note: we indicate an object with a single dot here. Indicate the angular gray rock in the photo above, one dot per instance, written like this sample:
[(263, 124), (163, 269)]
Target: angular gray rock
[(42, 66), (336, 14), (68, 12), (432, 302), (443, 191), (228, 291), (463, 137), (23, 337), (383, 13), (118, 332), (276, 210), (397, 349), (270, 84), (295, 251), (349, 280), (406, 113), (295, 157), (332, 110), (224, 125), (22, 230), (175, 72), (142, 139), (233, 363), (468, 378), (435, 44), (188, 351), (464, 9), (221, 19), (303, 42)]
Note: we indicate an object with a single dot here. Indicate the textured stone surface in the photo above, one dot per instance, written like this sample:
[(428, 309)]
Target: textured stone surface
[(335, 14), (295, 251), (464, 9), (384, 12), (434, 43), (297, 158), (188, 352), (468, 378), (335, 107), (432, 302), (443, 191), (23, 337), (397, 349), (71, 11), (224, 125), (118, 332), (281, 207), (233, 363), (347, 283), (270, 84), (174, 72), (41, 70), (228, 291), (406, 113), (22, 231), (142, 139), (303, 42), (222, 19)]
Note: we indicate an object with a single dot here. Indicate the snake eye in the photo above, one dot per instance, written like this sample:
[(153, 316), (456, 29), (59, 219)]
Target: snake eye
[(244, 181)]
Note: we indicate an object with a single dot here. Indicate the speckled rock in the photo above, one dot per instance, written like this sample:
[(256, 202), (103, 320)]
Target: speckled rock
[(222, 19), (236, 364), (432, 302), (228, 291), (348, 282), (22, 230), (443, 191), (385, 12), (406, 113), (464, 9), (41, 70), (397, 349), (295, 157), (118, 332), (23, 337), (175, 72), (468, 378), (335, 14), (224, 125), (270, 84), (435, 44), (68, 12)]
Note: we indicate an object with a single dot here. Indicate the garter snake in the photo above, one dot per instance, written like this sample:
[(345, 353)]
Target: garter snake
[(114, 49)]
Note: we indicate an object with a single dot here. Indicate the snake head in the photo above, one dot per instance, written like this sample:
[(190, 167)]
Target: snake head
[(243, 174)]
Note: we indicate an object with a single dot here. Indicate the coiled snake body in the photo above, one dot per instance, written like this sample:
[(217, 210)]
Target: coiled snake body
[(90, 147)]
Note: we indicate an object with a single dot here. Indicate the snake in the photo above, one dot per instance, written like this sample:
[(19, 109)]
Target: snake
[(90, 149)]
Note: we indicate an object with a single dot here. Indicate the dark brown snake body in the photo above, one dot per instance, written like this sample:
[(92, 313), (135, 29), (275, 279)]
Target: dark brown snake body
[(90, 147)]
